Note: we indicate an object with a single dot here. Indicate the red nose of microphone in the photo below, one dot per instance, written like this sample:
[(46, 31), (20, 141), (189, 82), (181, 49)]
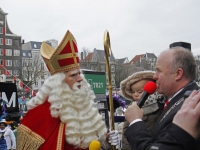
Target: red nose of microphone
[(150, 87)]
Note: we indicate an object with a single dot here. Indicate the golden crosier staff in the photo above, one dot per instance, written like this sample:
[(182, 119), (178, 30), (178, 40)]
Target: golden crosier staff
[(107, 50)]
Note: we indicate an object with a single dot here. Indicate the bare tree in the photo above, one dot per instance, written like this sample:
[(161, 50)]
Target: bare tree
[(122, 72), (33, 69)]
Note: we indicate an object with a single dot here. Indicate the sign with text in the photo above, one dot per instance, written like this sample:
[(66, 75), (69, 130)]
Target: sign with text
[(97, 82), (9, 95)]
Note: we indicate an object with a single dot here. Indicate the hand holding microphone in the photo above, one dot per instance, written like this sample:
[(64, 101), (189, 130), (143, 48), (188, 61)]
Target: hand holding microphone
[(133, 111)]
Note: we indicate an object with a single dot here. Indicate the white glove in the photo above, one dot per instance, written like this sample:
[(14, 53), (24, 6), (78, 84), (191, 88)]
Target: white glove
[(114, 137)]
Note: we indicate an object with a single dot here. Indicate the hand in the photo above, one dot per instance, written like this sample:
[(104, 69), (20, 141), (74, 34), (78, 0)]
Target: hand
[(133, 112), (188, 116), (114, 137)]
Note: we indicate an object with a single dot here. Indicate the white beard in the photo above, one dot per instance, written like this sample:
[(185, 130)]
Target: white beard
[(75, 108)]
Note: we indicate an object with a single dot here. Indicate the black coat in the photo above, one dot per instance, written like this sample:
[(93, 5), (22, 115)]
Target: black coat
[(138, 136)]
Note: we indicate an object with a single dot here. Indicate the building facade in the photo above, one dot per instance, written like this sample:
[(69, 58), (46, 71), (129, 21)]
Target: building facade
[(96, 61), (33, 67), (10, 50)]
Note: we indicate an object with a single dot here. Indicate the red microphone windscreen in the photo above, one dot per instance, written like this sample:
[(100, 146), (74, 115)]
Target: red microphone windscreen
[(150, 87)]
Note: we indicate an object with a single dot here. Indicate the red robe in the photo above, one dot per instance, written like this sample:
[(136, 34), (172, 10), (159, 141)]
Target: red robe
[(39, 129)]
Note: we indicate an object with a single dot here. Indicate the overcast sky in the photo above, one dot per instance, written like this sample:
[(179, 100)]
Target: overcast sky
[(135, 26)]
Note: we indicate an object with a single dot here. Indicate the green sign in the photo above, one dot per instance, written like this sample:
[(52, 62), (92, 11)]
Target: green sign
[(97, 82)]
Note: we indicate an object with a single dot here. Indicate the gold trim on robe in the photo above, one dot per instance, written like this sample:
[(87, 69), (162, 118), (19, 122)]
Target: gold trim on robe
[(27, 139)]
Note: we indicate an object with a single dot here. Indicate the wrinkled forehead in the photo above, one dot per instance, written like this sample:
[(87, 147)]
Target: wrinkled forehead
[(74, 71)]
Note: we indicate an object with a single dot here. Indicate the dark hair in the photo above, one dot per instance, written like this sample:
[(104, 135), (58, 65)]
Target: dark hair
[(183, 58), (14, 125)]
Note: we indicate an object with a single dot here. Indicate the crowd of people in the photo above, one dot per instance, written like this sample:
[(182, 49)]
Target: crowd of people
[(62, 114)]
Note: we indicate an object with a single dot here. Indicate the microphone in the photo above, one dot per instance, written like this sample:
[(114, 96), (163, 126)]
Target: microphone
[(149, 88), (95, 145)]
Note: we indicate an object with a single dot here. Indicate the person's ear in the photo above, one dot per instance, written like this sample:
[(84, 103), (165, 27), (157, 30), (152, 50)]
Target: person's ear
[(179, 74)]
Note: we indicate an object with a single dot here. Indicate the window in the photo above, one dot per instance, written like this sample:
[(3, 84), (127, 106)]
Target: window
[(42, 66), (35, 55), (36, 83), (1, 30), (16, 72), (16, 42), (1, 52), (8, 62), (16, 52), (1, 61), (1, 41), (16, 63), (29, 54), (112, 68), (24, 54), (8, 41), (25, 63), (8, 52), (35, 46)]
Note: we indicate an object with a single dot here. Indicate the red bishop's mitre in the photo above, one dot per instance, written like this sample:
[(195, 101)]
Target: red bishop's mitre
[(64, 58)]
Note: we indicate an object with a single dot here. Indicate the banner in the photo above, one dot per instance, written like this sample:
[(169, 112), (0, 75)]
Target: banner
[(9, 95)]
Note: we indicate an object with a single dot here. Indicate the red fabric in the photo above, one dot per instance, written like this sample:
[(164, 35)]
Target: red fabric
[(166, 103), (21, 84), (27, 89), (66, 62), (75, 47), (7, 72), (67, 49), (33, 93), (23, 98), (40, 121), (15, 78)]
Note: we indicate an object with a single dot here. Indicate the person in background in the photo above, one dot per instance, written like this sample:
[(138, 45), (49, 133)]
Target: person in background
[(64, 106), (175, 74), (14, 126), (7, 136), (132, 88)]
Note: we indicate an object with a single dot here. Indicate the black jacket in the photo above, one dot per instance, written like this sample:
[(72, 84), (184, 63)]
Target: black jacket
[(138, 136)]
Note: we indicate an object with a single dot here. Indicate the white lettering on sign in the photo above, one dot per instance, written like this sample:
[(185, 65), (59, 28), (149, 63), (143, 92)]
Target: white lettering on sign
[(11, 101), (97, 85)]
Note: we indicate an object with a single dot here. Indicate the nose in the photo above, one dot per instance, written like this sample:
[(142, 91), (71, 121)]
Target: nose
[(136, 94), (79, 78), (155, 77)]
